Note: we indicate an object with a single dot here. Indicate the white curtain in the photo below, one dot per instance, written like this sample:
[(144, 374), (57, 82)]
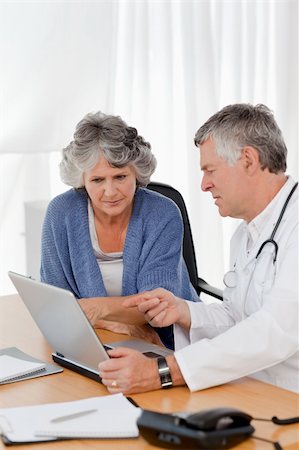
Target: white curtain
[(164, 66)]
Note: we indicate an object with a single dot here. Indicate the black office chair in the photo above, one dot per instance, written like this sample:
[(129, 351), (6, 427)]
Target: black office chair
[(188, 248)]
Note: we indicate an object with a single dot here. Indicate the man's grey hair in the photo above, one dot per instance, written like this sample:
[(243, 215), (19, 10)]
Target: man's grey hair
[(237, 126), (98, 134)]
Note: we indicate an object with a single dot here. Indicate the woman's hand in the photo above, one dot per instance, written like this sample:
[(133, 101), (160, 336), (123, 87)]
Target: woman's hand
[(97, 309), (144, 332), (91, 308), (161, 308)]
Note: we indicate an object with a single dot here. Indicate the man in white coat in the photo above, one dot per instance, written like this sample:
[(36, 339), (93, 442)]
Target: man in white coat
[(254, 331)]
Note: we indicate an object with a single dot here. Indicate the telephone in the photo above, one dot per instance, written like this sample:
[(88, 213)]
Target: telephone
[(218, 428)]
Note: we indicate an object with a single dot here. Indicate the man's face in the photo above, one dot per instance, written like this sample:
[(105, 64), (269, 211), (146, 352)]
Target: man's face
[(226, 183)]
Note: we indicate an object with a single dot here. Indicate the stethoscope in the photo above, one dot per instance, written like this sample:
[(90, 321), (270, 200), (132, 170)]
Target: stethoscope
[(230, 278)]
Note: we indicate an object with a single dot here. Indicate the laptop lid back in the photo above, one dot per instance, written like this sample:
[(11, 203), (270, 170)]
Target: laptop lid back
[(61, 320)]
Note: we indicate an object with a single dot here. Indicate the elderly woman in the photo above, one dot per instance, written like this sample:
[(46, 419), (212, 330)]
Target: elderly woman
[(109, 237)]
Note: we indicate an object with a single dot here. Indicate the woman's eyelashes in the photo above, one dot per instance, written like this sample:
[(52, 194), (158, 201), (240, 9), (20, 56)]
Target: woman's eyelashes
[(117, 177)]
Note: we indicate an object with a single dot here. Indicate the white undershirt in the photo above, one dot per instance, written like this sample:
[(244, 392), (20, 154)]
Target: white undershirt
[(110, 264)]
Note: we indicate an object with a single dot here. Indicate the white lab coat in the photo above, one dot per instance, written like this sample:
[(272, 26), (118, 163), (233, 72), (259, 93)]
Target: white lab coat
[(254, 331)]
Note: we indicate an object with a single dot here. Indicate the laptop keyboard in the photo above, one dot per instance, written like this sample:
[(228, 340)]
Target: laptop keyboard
[(107, 347), (148, 354), (151, 354)]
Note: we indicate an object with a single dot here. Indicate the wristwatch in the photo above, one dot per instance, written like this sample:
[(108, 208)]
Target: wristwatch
[(164, 372)]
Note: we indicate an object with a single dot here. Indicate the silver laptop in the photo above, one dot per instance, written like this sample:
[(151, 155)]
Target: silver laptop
[(63, 323)]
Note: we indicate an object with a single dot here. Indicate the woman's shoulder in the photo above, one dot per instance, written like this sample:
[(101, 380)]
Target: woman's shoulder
[(68, 200), (154, 208), (153, 200)]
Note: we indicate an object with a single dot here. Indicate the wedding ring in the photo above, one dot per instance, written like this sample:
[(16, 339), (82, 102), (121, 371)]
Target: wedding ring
[(114, 383)]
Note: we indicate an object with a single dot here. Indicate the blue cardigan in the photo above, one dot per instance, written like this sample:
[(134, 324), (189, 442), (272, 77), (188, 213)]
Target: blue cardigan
[(152, 255)]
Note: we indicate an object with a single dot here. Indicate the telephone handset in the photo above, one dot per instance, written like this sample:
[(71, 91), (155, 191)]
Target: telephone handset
[(217, 428), (209, 429)]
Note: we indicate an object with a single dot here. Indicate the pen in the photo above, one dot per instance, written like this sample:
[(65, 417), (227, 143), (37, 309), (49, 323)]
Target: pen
[(133, 402), (73, 416)]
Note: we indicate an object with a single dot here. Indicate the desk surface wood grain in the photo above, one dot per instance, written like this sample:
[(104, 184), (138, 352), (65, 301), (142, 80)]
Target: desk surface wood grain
[(17, 329)]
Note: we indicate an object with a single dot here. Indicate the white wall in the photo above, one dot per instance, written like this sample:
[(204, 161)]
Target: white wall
[(164, 66)]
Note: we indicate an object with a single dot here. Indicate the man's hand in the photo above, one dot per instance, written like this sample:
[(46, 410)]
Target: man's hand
[(130, 372), (161, 308)]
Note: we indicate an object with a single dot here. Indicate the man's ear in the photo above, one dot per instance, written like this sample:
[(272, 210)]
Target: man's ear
[(250, 158)]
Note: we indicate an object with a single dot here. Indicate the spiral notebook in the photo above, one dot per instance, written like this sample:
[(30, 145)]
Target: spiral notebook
[(12, 368), (23, 366)]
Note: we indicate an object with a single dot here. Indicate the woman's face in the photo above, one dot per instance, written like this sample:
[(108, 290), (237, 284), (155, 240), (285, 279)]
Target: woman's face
[(110, 189)]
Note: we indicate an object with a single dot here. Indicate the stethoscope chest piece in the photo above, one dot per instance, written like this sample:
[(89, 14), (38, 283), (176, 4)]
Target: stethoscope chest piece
[(230, 279)]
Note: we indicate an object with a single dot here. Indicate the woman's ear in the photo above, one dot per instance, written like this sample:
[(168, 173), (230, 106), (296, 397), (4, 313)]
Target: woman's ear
[(250, 158)]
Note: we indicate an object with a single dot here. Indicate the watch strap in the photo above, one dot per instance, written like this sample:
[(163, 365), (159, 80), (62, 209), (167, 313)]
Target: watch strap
[(164, 372)]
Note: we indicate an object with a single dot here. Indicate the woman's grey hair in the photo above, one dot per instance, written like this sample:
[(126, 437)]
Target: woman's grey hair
[(237, 126), (98, 134)]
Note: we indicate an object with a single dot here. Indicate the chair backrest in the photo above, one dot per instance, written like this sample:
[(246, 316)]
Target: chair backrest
[(188, 246)]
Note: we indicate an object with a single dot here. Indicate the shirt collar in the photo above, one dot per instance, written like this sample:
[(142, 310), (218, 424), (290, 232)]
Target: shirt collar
[(255, 227)]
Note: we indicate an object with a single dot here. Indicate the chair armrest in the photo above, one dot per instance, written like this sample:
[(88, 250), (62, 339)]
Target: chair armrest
[(202, 286)]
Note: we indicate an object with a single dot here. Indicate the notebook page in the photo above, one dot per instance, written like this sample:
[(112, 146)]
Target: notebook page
[(12, 368), (113, 416), (22, 424)]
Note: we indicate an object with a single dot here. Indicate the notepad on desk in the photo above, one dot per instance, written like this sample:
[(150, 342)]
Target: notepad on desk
[(23, 366), (111, 416), (12, 368)]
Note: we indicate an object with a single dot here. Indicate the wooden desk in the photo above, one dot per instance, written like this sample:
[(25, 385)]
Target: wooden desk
[(258, 399)]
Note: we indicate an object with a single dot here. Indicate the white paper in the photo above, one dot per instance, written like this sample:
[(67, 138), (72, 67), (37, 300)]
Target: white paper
[(11, 367), (115, 417)]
